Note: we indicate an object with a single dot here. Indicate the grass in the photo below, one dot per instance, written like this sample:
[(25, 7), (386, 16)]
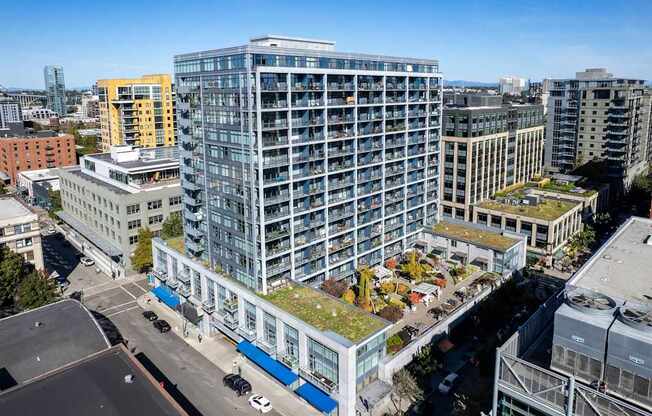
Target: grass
[(325, 312), (547, 209), (176, 243), (474, 236)]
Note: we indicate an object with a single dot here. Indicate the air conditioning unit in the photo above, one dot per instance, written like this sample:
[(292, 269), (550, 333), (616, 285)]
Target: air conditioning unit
[(629, 354), (580, 334)]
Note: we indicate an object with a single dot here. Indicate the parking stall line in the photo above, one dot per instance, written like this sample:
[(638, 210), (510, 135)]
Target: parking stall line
[(124, 310)]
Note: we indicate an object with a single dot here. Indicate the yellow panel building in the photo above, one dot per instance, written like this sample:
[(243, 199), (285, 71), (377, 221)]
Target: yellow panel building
[(137, 111)]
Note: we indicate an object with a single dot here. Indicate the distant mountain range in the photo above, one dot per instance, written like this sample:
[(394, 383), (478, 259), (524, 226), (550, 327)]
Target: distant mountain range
[(462, 83)]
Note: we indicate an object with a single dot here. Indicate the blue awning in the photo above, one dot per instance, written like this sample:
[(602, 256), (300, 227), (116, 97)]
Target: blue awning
[(166, 296), (267, 363), (320, 400)]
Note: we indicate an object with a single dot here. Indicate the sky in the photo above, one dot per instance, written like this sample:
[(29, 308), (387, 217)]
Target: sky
[(478, 40)]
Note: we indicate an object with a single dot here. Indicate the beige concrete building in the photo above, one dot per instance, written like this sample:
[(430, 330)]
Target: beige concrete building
[(486, 150), (20, 231)]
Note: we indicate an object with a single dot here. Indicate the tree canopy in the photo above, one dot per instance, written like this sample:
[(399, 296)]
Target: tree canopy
[(36, 290), (172, 226), (142, 256)]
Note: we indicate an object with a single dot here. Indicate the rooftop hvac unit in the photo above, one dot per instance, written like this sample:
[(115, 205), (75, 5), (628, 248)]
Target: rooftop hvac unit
[(580, 334), (629, 354)]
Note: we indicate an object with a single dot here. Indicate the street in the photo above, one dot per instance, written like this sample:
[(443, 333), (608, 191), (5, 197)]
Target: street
[(189, 377)]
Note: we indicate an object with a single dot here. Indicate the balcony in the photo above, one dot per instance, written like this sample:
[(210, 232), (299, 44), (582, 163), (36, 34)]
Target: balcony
[(193, 247), (208, 306), (160, 275), (246, 333), (172, 284), (289, 360), (230, 305), (231, 321), (276, 234), (195, 232), (184, 291), (319, 380)]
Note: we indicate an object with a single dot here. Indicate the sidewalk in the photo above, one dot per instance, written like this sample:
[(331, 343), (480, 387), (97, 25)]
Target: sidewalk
[(221, 351)]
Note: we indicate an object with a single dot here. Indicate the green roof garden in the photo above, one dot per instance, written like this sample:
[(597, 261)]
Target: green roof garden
[(176, 243), (546, 209), (325, 312), (474, 235)]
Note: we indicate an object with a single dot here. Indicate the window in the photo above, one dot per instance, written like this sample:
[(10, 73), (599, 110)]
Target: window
[(291, 342), (155, 204), (156, 219), (175, 200), (322, 360), (135, 224), (133, 209), (23, 243), (22, 228), (269, 329), (133, 239), (250, 316)]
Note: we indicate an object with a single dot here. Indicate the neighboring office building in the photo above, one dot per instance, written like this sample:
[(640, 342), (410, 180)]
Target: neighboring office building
[(111, 196), (51, 351), (511, 85), (37, 184), (55, 89), (596, 117), (28, 100), (340, 150), (42, 149), (137, 111), (487, 149), (595, 358), (20, 231)]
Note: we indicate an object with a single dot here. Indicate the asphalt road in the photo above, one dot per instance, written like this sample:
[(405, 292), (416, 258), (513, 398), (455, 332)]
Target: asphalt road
[(192, 380)]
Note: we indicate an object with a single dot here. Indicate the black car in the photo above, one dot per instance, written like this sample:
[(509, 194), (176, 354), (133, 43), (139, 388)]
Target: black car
[(162, 325), (237, 384), (150, 316)]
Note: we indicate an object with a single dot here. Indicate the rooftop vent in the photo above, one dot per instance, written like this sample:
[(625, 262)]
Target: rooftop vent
[(590, 302), (636, 316)]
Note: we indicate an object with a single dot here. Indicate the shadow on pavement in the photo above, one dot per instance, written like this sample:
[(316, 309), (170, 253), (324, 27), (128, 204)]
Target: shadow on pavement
[(59, 255), (109, 328), (168, 385)]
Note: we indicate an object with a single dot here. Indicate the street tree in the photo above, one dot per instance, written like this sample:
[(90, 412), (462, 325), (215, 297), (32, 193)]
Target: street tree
[(404, 387), (36, 290), (142, 255), (12, 271)]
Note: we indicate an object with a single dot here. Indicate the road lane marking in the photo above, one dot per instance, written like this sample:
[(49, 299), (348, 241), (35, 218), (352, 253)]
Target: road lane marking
[(116, 306), (144, 289), (128, 292), (124, 310)]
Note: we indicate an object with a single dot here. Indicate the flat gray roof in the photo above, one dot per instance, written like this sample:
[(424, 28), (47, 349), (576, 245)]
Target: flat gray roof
[(10, 208), (622, 267), (67, 332), (76, 171), (93, 386)]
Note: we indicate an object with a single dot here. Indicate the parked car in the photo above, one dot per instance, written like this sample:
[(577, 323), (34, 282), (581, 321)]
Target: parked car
[(86, 261), (162, 325), (260, 403), (237, 384), (449, 383), (150, 316), (51, 229)]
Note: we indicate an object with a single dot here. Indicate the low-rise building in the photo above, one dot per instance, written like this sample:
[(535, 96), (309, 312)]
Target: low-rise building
[(317, 340), (20, 231), (42, 116), (490, 250), (49, 352), (111, 196), (587, 351), (38, 150), (35, 185)]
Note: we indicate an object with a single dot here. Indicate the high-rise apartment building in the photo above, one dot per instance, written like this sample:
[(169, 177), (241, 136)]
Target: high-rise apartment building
[(596, 117), (138, 111), (55, 89), (300, 163), (487, 149)]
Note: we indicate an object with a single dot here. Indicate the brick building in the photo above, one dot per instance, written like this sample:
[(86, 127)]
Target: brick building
[(38, 151)]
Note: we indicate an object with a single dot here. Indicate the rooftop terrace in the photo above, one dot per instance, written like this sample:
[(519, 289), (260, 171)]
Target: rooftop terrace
[(474, 236), (325, 312)]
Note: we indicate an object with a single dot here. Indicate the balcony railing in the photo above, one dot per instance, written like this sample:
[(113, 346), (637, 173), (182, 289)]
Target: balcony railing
[(318, 379)]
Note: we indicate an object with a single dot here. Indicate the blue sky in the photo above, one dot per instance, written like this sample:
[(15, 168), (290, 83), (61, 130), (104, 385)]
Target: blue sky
[(474, 40)]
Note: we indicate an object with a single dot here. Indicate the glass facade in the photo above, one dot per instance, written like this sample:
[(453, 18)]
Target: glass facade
[(322, 360), (302, 175)]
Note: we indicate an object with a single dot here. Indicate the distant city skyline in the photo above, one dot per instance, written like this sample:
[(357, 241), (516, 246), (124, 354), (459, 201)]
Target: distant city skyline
[(474, 40)]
